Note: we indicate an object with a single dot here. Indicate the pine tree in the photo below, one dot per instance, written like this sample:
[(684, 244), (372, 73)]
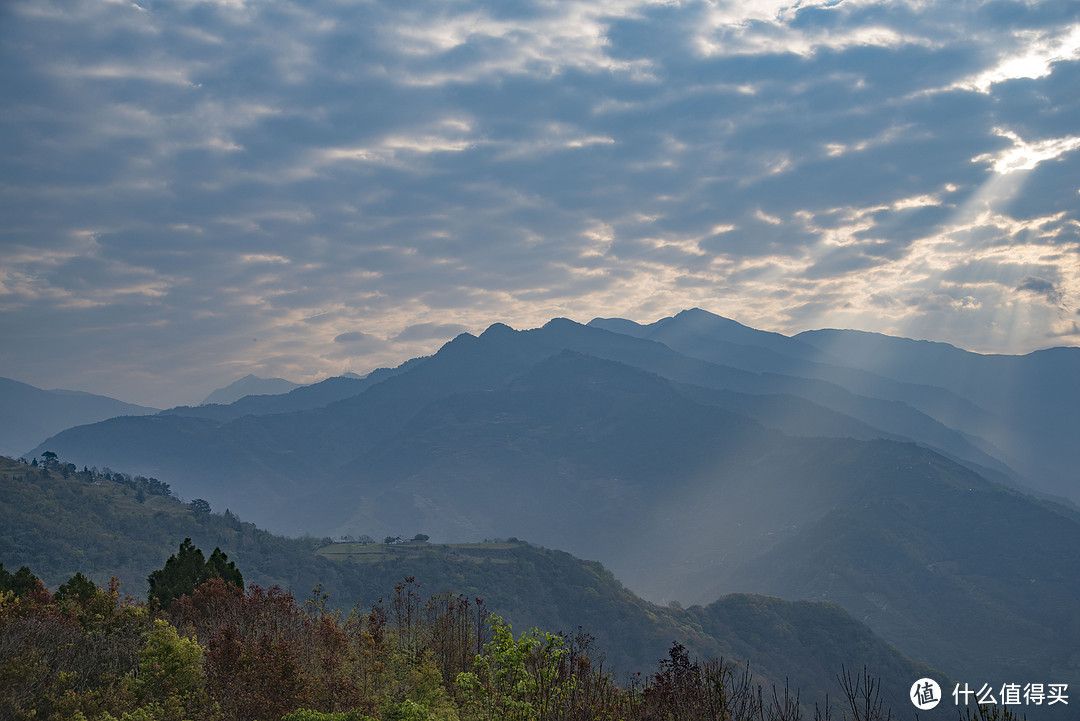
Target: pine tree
[(219, 566), (78, 587), (187, 570)]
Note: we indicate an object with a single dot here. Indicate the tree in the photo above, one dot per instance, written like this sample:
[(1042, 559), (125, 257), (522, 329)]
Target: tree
[(48, 460), (187, 570), (423, 537), (21, 582), (171, 675), (219, 566), (517, 679), (169, 662), (199, 505), (179, 577), (78, 588)]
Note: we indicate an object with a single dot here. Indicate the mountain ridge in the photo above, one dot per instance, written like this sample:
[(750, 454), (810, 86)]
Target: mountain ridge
[(249, 385), (29, 415)]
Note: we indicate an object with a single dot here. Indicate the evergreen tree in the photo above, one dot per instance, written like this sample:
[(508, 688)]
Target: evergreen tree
[(219, 566), (48, 460), (199, 506), (187, 570), (21, 582), (78, 587), (179, 577)]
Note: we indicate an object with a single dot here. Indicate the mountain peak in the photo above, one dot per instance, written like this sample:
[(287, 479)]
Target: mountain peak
[(618, 325), (497, 330), (249, 385), (561, 323), (703, 316)]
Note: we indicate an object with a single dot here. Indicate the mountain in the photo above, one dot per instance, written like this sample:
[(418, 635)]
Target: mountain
[(29, 415), (302, 398), (960, 557), (97, 525), (249, 385), (280, 445), (929, 414), (700, 334), (1030, 404), (688, 477), (264, 463), (684, 497), (574, 451), (721, 338)]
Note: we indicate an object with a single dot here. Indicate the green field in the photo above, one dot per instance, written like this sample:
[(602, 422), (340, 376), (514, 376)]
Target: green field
[(360, 552)]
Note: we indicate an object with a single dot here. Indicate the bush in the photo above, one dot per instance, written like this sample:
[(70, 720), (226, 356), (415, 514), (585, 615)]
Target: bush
[(309, 715)]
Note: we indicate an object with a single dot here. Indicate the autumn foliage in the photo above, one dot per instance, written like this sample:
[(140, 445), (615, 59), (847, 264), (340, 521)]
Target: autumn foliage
[(227, 653)]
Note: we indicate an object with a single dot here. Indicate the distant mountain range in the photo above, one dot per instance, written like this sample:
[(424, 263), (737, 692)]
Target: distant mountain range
[(301, 398), (29, 415), (1021, 410), (249, 385), (907, 481)]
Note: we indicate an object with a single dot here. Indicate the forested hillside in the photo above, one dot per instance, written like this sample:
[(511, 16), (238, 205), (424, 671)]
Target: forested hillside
[(60, 522)]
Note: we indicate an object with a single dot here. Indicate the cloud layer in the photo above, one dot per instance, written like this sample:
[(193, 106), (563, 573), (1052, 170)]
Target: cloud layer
[(196, 189)]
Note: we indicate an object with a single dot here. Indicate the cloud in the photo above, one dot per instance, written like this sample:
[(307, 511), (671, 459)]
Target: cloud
[(1037, 51), (188, 188), (353, 337), (427, 331), (1025, 156), (1043, 287)]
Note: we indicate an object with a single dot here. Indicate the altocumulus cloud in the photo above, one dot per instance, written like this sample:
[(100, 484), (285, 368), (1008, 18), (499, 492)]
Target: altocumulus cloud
[(1042, 287), (354, 336), (428, 331), (193, 190)]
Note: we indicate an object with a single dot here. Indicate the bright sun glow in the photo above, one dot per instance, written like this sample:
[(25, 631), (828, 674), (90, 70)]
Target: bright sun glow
[(1024, 155)]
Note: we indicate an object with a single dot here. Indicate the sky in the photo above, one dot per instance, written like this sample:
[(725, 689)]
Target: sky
[(194, 190)]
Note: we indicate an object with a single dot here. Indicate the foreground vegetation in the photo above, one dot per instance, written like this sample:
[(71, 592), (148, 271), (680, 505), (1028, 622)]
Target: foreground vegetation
[(94, 523), (223, 652), (218, 651), (201, 647)]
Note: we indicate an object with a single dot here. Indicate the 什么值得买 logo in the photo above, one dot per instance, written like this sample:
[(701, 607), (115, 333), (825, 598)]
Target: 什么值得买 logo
[(925, 694)]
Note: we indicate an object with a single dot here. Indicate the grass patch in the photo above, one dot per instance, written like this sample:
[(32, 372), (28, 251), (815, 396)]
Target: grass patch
[(376, 551)]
